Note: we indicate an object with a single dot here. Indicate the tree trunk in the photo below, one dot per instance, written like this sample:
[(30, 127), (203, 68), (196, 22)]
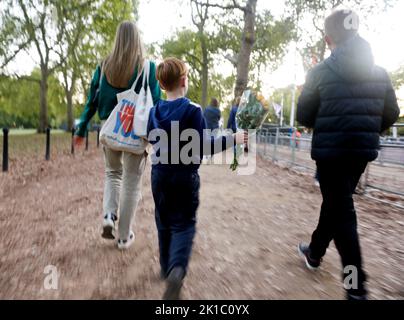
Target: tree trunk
[(43, 111), (205, 71), (69, 100), (247, 44)]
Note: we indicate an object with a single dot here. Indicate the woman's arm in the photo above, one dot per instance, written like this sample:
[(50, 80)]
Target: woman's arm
[(90, 108)]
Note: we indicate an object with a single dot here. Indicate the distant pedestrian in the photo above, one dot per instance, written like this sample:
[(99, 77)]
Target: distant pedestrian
[(212, 115)]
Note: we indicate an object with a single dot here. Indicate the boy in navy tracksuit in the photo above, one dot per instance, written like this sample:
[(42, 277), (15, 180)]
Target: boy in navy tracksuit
[(175, 181)]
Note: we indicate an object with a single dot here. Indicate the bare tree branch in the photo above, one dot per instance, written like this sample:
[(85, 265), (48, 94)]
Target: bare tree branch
[(225, 7), (194, 57), (321, 30), (192, 13), (31, 30), (71, 47), (21, 47), (205, 16), (43, 33), (231, 58)]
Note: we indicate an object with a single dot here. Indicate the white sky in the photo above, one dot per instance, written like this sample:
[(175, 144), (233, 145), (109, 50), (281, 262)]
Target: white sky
[(384, 34), (159, 19)]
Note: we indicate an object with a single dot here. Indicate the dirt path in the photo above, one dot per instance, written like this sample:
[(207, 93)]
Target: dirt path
[(245, 247)]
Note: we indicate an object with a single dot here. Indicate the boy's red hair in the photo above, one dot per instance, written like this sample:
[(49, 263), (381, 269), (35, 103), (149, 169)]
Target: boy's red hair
[(170, 72)]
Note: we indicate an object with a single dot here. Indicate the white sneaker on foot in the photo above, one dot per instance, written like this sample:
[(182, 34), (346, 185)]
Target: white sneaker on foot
[(125, 244)]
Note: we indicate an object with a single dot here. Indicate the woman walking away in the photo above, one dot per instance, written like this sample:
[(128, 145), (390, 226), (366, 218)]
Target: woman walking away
[(123, 170)]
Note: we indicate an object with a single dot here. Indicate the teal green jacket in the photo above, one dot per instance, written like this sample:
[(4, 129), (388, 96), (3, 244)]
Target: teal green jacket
[(107, 101)]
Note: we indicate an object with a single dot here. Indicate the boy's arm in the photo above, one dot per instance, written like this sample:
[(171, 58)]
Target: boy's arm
[(90, 108), (229, 120), (209, 144), (309, 103), (232, 120), (391, 110)]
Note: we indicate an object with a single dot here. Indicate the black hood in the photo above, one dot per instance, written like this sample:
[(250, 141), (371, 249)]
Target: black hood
[(352, 61)]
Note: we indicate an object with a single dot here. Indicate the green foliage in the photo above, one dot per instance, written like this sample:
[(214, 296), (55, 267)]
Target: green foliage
[(272, 38), (252, 114), (185, 45), (13, 39), (19, 101), (397, 78), (70, 37), (97, 24), (223, 42)]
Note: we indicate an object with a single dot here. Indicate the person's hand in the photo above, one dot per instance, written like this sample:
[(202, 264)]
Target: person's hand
[(78, 141), (241, 137)]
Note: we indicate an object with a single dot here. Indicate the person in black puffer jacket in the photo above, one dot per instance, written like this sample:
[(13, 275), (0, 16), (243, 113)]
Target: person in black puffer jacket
[(349, 101)]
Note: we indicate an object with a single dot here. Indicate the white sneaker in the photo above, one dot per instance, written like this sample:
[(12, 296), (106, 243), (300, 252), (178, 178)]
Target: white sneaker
[(125, 244), (108, 226)]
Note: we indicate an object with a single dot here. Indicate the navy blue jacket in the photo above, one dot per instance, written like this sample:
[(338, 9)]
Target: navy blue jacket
[(349, 102), (231, 122), (212, 116), (186, 115)]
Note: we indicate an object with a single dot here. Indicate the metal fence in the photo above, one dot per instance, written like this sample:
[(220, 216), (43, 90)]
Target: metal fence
[(386, 174), (5, 145)]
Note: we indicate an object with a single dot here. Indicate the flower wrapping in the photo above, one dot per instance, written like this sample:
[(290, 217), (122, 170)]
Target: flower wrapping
[(251, 114)]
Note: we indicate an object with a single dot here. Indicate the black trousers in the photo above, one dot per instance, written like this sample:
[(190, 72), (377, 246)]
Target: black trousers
[(176, 197), (338, 222)]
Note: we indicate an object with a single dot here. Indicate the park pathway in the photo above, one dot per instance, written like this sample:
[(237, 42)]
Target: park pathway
[(245, 247)]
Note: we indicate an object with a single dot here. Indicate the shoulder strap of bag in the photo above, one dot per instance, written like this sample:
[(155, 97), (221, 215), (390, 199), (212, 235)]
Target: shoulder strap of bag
[(146, 73), (144, 70), (99, 82)]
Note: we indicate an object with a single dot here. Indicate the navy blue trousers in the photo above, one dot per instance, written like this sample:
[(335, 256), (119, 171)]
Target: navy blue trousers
[(176, 198)]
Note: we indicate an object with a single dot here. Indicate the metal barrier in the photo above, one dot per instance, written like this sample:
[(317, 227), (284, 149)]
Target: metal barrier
[(386, 174), (48, 145)]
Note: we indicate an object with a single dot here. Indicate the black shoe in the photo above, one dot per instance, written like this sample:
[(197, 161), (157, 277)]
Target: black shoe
[(351, 297), (304, 252), (174, 284), (163, 275)]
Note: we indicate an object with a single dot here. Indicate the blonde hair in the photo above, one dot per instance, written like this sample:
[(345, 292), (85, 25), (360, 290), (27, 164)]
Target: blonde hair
[(170, 72), (127, 54)]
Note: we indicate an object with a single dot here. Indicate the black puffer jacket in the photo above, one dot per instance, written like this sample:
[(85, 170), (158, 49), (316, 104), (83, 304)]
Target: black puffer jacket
[(349, 102)]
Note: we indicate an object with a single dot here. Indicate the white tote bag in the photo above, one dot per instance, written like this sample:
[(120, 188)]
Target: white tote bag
[(144, 105), (126, 127)]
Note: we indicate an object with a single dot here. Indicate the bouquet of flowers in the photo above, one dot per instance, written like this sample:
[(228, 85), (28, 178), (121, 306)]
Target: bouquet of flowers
[(251, 114)]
